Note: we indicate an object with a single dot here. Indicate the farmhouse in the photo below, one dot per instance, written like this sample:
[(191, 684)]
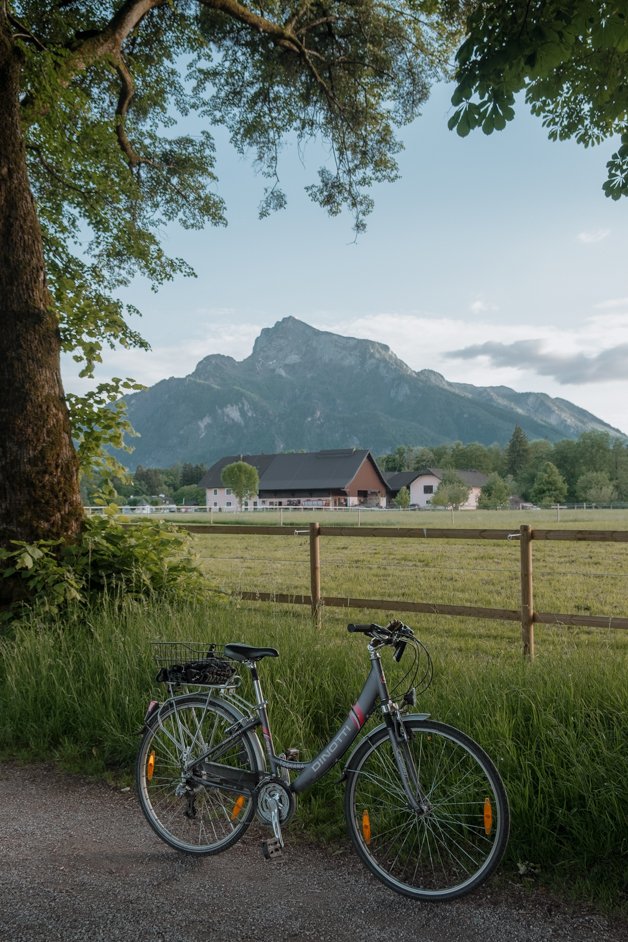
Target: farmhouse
[(423, 485), (346, 477)]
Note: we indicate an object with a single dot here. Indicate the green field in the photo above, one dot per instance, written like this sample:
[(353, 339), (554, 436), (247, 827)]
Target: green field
[(584, 578), (73, 690)]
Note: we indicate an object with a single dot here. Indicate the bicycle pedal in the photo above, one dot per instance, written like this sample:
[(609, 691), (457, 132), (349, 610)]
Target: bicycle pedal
[(271, 848)]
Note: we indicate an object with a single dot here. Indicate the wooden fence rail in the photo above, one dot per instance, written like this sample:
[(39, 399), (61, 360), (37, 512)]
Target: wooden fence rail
[(526, 535)]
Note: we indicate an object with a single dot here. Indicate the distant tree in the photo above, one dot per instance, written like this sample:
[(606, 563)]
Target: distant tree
[(549, 487), (495, 493), (242, 478), (570, 58), (443, 456), (517, 452), (566, 457), (539, 451), (190, 494), (595, 451), (595, 487), (192, 473), (401, 459), (620, 469), (452, 491), (149, 480), (172, 478), (402, 500), (423, 458), (473, 455)]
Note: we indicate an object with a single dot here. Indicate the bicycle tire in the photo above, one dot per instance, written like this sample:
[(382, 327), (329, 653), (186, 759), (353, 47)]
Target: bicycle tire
[(189, 816), (446, 851)]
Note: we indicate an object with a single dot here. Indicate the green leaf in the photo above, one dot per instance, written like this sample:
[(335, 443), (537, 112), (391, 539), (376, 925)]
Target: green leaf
[(455, 118)]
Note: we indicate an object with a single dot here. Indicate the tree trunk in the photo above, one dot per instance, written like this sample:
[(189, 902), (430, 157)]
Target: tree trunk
[(39, 489)]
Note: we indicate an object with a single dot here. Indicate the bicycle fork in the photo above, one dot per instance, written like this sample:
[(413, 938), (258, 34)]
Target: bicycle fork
[(408, 773)]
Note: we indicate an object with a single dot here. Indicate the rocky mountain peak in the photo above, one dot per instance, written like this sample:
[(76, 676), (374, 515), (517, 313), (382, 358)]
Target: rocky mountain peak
[(308, 389)]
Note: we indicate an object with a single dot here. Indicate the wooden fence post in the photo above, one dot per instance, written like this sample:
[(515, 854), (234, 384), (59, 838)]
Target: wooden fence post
[(315, 572), (527, 594)]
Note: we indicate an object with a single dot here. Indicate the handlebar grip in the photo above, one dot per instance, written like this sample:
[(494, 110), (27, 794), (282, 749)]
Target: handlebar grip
[(364, 629)]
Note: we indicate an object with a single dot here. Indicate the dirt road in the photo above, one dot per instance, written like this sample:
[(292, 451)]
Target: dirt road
[(78, 862)]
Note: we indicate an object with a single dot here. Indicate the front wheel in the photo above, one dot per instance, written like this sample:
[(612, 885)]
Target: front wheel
[(189, 808), (455, 840)]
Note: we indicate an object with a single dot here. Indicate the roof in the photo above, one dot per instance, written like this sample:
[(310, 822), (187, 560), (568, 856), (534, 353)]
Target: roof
[(399, 479), (471, 477), (299, 471)]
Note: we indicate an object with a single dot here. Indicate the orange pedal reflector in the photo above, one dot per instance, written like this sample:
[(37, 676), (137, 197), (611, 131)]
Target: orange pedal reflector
[(366, 826), (150, 765), (237, 808), (488, 815)]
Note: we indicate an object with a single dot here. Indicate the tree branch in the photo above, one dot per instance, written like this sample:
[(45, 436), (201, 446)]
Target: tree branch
[(124, 100)]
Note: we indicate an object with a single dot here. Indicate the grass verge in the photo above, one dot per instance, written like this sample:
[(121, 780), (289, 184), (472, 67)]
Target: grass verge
[(74, 691)]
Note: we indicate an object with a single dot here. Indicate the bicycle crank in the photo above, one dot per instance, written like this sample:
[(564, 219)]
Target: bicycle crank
[(275, 806)]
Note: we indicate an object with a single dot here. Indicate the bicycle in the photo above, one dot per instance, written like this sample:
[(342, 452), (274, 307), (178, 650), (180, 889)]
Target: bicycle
[(425, 807)]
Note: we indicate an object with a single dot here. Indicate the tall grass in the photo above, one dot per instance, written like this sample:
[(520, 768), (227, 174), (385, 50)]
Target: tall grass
[(74, 691)]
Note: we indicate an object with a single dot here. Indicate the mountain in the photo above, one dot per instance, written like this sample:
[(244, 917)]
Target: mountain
[(307, 389)]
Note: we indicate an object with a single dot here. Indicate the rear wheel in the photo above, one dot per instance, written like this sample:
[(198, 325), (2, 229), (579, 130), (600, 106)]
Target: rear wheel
[(188, 809), (455, 841)]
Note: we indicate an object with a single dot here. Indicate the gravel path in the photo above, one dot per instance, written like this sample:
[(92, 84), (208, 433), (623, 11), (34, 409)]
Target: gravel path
[(78, 862)]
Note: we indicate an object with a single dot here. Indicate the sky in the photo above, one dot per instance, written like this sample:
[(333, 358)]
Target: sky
[(494, 260)]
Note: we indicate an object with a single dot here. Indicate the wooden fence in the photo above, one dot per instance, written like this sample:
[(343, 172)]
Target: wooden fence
[(526, 535)]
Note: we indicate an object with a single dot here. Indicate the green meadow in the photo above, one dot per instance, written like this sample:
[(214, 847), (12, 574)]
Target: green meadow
[(73, 690)]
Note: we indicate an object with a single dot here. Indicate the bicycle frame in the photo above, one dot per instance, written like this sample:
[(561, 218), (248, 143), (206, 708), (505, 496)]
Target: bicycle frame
[(374, 689)]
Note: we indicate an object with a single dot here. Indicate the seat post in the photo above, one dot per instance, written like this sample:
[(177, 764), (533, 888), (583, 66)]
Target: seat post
[(263, 715)]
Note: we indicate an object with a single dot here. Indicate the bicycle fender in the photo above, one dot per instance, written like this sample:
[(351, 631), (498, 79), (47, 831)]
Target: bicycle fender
[(235, 714)]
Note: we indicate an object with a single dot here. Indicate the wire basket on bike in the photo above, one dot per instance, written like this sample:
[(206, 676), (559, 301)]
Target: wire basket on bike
[(192, 663)]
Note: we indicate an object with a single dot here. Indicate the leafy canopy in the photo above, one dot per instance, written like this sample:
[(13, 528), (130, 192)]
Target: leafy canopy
[(451, 492), (242, 478), (570, 57), (549, 487), (105, 83)]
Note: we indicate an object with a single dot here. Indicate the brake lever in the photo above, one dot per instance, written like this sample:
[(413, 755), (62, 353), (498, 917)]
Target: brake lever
[(400, 647)]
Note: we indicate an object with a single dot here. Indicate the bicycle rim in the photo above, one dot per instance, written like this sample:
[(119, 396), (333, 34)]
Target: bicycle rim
[(189, 815), (456, 841)]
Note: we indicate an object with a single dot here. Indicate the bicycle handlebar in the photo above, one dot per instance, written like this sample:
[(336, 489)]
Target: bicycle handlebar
[(366, 629), (394, 633)]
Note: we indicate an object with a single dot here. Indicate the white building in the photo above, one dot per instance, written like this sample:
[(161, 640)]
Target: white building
[(423, 485)]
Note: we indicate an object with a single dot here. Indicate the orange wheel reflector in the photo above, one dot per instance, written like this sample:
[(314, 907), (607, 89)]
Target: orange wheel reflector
[(237, 808), (366, 826), (150, 766), (488, 816)]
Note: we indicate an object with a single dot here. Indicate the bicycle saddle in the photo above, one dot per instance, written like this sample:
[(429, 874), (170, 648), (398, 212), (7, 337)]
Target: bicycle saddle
[(244, 652)]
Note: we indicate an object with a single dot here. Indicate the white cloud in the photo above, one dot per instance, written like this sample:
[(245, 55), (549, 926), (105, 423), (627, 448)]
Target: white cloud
[(593, 235), (482, 307), (613, 304)]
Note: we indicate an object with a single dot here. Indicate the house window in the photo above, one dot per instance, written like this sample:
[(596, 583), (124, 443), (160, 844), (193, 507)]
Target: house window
[(428, 488), (228, 491), (215, 492), (228, 503), (215, 503)]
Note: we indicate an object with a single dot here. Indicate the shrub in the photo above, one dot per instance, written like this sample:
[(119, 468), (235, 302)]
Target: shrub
[(145, 559)]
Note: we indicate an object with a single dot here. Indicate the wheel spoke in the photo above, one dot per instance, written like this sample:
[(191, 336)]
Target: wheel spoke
[(182, 809), (442, 849)]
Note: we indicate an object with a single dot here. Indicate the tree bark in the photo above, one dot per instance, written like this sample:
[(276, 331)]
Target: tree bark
[(39, 488)]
